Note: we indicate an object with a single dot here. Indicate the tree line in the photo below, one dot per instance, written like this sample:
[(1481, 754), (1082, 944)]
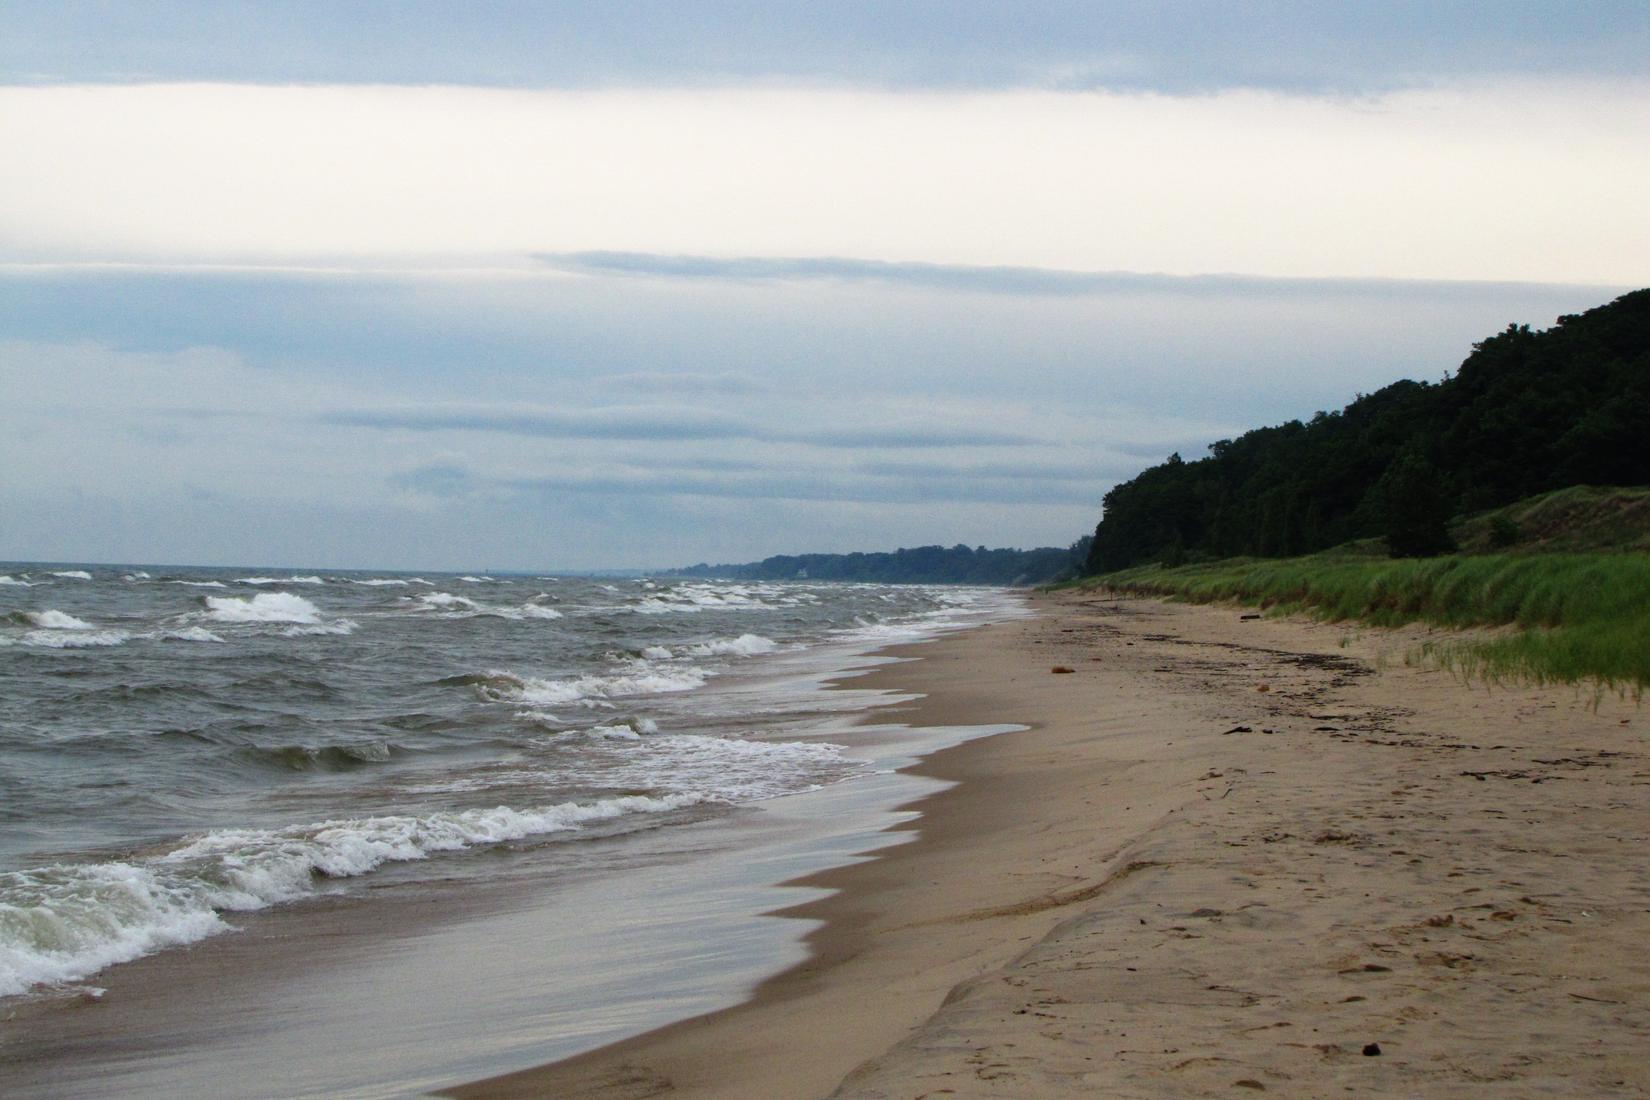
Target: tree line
[(958, 564), (1526, 412)]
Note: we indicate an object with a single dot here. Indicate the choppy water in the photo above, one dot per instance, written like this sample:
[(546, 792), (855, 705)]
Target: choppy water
[(178, 745)]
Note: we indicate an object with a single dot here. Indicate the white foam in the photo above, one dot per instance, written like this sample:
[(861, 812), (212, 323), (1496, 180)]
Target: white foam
[(192, 634), (138, 575), (746, 645), (443, 601), (66, 922), (7, 578), (201, 584), (52, 619), (280, 580), (78, 639), (476, 580), (265, 607), (73, 574), (523, 611), (638, 679), (337, 626), (382, 582), (730, 769)]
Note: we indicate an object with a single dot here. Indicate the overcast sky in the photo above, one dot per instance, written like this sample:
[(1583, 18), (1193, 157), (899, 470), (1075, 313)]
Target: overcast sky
[(571, 285)]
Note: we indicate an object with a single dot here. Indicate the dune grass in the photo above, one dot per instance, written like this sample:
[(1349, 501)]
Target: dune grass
[(1578, 617)]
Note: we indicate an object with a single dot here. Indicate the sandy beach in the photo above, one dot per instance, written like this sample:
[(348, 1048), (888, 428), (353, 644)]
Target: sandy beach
[(1228, 854)]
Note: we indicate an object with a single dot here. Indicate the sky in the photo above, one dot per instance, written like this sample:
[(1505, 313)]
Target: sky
[(579, 285)]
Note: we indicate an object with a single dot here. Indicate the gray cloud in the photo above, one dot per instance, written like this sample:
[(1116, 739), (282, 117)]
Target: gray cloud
[(1006, 280), (437, 480), (999, 470), (673, 426), (658, 381), (809, 487), (590, 424)]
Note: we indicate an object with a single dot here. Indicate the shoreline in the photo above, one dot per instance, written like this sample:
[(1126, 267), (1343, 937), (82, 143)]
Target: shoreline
[(435, 972), (1087, 908)]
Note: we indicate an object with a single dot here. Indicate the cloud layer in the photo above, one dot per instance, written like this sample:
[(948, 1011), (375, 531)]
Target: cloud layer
[(1531, 182)]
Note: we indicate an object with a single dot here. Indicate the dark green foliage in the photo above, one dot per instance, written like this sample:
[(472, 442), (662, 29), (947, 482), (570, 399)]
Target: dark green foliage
[(1417, 515), (1528, 412), (1504, 532), (922, 565)]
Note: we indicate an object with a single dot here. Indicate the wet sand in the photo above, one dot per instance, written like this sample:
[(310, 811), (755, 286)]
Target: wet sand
[(1228, 855)]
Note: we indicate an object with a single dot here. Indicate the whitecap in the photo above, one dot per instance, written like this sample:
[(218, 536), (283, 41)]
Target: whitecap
[(7, 578), (280, 580), (265, 607), (638, 678), (77, 639), (52, 619), (442, 601), (337, 626), (65, 922), (191, 634), (73, 574)]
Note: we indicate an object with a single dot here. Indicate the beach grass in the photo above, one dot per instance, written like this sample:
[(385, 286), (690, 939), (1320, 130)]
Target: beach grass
[(1570, 618)]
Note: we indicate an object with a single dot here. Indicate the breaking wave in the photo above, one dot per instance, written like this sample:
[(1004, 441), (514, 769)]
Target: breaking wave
[(66, 922), (265, 607), (590, 690)]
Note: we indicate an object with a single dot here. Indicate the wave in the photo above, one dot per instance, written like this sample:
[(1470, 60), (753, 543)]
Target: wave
[(325, 757), (477, 580), (746, 645), (383, 582), (65, 922), (443, 601), (191, 634), (265, 607), (79, 639), (721, 597), (732, 769), (16, 582), (200, 584), (464, 607), (280, 580), (135, 575), (590, 690), (73, 574), (337, 626), (52, 619), (521, 611)]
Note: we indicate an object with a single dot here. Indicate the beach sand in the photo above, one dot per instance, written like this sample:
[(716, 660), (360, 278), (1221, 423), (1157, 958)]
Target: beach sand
[(1229, 855)]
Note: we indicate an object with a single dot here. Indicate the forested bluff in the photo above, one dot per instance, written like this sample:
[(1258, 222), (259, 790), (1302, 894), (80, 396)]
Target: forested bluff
[(1526, 413)]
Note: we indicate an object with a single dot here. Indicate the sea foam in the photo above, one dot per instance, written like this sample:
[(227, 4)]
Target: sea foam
[(52, 619), (66, 922), (638, 678), (265, 607)]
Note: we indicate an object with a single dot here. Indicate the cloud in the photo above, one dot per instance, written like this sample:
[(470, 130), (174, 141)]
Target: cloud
[(439, 480), (606, 423), (1171, 45), (1006, 190), (1007, 279), (814, 487), (666, 425), (688, 382)]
